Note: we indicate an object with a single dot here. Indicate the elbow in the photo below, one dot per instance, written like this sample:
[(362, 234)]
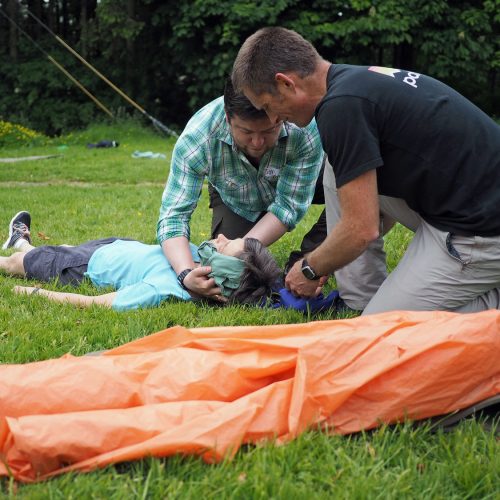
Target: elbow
[(372, 235), (367, 236)]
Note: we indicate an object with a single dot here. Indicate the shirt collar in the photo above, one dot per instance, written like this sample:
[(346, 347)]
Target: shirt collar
[(224, 134)]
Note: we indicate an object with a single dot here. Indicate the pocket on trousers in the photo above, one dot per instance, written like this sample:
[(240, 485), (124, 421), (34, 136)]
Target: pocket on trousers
[(460, 247)]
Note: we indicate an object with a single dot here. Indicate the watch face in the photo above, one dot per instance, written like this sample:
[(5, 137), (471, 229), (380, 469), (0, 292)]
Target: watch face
[(308, 272)]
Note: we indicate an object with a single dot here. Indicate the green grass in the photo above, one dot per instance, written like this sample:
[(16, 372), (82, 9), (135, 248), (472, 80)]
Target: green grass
[(92, 193)]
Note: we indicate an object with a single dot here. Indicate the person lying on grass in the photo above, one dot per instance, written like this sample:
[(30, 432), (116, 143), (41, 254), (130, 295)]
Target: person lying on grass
[(243, 270)]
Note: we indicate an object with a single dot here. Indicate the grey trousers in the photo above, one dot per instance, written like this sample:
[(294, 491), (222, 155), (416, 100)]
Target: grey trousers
[(439, 270)]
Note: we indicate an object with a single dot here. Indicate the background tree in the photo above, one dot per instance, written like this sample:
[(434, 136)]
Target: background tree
[(173, 57)]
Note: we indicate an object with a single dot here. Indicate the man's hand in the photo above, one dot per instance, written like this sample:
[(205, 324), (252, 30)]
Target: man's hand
[(300, 286), (200, 285)]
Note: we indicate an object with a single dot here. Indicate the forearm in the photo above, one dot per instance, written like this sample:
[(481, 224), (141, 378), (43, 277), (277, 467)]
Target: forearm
[(180, 196), (70, 298), (178, 253), (268, 230), (356, 229), (340, 248), (358, 226), (297, 181)]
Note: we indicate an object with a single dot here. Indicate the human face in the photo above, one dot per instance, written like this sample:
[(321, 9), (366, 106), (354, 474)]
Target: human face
[(225, 246), (282, 107), (254, 137)]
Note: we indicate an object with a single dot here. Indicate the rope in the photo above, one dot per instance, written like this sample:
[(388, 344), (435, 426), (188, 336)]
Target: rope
[(60, 67), (155, 122)]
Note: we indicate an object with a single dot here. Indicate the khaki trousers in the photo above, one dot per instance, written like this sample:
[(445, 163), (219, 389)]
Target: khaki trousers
[(439, 270)]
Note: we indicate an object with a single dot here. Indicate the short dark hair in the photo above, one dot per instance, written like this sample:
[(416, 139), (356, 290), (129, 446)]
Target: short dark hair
[(261, 274), (269, 51), (235, 103)]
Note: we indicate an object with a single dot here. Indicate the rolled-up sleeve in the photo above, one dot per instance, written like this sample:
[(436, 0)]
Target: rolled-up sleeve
[(297, 180), (183, 188)]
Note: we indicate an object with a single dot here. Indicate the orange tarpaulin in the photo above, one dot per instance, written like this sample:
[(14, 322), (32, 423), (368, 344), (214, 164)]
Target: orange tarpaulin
[(208, 390)]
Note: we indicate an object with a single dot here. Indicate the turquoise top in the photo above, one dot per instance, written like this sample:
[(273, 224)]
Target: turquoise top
[(139, 273)]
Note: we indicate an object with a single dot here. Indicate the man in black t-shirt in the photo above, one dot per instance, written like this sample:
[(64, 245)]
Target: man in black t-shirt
[(404, 147)]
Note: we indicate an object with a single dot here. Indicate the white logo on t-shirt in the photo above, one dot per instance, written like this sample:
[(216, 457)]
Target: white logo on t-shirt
[(410, 79)]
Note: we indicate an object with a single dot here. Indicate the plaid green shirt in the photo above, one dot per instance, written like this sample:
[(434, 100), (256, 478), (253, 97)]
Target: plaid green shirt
[(283, 184)]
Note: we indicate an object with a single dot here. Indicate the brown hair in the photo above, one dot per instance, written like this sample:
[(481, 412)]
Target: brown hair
[(270, 51), (236, 104), (261, 274)]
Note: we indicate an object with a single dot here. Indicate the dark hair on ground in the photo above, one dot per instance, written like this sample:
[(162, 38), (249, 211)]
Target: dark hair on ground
[(260, 276), (237, 104), (269, 51)]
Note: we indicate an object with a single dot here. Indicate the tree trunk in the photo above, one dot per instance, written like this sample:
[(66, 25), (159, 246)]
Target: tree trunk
[(33, 28), (84, 30), (52, 15), (13, 12), (130, 56), (65, 20)]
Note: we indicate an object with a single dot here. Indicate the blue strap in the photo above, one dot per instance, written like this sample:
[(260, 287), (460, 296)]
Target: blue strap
[(284, 298)]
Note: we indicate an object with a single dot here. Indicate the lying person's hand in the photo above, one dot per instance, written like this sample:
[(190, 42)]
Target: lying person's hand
[(300, 286), (27, 290), (200, 285)]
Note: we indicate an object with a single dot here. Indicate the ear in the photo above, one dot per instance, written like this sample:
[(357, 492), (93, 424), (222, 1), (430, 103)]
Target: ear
[(228, 120), (285, 83)]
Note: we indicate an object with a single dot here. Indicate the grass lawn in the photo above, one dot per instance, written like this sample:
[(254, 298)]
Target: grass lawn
[(90, 193)]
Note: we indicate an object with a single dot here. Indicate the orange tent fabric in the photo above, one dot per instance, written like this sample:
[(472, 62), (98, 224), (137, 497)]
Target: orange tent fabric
[(208, 390)]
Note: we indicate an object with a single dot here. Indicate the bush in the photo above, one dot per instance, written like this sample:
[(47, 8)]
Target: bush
[(173, 57), (14, 135)]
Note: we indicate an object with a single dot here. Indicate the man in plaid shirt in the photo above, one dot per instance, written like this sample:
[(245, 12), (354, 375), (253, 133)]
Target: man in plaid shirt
[(262, 177)]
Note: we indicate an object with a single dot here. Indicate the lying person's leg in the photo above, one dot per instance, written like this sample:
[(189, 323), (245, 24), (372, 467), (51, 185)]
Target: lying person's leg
[(65, 263), (14, 264), (19, 239), (19, 231)]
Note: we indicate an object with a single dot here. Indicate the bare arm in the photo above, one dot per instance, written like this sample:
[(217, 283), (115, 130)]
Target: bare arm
[(178, 253), (77, 299), (356, 229), (268, 230)]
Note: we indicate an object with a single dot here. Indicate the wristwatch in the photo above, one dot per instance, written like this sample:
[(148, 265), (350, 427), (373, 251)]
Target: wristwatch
[(181, 276), (308, 271)]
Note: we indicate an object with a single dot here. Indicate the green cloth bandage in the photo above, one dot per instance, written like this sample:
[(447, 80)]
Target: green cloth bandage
[(226, 271)]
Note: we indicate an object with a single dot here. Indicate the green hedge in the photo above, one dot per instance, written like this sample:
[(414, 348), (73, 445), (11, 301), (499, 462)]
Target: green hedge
[(172, 57)]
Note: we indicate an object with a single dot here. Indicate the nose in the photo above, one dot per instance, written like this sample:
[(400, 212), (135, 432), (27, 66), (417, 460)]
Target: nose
[(257, 140), (221, 238), (273, 117)]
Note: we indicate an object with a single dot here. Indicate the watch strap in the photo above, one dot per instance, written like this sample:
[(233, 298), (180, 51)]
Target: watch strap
[(308, 271), (181, 276)]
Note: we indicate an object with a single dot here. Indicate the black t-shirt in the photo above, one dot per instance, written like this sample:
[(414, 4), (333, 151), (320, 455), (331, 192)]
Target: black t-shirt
[(430, 145)]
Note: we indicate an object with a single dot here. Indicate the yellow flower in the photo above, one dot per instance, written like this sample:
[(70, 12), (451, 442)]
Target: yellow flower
[(14, 132)]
